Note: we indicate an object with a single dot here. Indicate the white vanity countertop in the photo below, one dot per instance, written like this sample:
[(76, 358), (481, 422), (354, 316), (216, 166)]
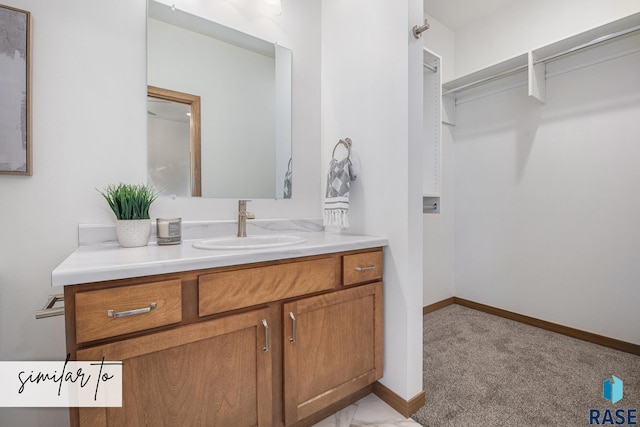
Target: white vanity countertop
[(95, 263)]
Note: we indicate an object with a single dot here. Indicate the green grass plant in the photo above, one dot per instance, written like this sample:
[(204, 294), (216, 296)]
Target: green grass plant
[(129, 201)]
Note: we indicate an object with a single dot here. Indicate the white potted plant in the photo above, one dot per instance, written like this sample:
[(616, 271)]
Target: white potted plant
[(130, 203)]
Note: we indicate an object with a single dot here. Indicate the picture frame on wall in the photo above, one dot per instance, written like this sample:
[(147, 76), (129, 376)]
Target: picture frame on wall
[(15, 91)]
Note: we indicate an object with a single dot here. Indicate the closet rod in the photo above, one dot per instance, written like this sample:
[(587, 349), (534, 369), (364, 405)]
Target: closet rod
[(588, 44), (487, 79), (430, 67)]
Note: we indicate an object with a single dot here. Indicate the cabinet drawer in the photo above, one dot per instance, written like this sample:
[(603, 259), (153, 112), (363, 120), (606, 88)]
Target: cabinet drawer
[(363, 267), (229, 290), (111, 312)]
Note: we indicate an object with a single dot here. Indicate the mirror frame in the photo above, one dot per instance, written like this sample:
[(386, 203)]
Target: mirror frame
[(194, 126)]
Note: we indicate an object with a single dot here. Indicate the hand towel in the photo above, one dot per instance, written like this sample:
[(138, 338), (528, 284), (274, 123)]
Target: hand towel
[(288, 182), (336, 204)]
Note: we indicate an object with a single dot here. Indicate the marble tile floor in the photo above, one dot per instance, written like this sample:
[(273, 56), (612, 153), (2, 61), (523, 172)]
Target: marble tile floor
[(370, 411)]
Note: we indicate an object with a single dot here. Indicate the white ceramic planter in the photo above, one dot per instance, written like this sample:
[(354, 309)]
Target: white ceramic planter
[(133, 233)]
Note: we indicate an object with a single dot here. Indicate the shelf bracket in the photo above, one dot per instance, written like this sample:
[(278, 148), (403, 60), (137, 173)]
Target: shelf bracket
[(537, 79), (449, 109)]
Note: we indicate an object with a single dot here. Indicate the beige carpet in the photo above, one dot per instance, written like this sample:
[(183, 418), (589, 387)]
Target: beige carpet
[(484, 370)]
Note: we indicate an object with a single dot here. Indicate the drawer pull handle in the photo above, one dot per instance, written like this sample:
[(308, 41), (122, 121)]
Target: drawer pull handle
[(116, 314), (371, 267), (294, 326), (266, 335)]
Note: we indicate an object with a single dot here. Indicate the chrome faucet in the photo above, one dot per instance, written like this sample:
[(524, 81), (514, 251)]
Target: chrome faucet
[(243, 215)]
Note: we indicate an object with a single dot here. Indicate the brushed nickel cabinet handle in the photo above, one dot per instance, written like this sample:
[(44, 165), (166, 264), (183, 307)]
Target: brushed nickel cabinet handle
[(371, 267), (294, 325), (266, 335), (116, 314)]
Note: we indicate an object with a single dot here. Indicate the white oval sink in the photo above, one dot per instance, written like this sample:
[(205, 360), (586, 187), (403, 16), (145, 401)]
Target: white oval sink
[(250, 242)]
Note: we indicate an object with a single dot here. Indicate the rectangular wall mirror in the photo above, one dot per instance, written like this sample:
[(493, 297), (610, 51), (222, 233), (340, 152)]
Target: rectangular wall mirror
[(237, 142)]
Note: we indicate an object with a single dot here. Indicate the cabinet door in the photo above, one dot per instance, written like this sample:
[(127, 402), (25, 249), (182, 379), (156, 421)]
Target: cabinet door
[(214, 373), (332, 349)]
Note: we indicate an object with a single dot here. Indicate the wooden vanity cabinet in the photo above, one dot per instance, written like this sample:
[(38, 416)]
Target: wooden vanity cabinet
[(194, 355)]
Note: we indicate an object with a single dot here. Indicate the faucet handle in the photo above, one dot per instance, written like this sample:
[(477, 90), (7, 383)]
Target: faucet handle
[(242, 205)]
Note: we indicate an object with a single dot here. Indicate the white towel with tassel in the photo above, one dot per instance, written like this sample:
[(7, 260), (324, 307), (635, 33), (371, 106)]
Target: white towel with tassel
[(336, 204)]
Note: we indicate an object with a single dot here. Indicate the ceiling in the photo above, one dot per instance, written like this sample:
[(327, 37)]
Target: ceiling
[(456, 14)]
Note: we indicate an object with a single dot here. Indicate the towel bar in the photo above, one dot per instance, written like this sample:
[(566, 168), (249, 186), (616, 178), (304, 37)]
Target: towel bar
[(49, 310)]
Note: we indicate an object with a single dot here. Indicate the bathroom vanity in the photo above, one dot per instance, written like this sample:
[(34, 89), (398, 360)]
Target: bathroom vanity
[(275, 337)]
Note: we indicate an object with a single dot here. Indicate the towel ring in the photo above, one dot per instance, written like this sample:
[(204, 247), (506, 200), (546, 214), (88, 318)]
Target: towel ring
[(347, 143)]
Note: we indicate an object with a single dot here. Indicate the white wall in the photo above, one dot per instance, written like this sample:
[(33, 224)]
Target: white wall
[(438, 229), (372, 92), (89, 130), (546, 199), (526, 25)]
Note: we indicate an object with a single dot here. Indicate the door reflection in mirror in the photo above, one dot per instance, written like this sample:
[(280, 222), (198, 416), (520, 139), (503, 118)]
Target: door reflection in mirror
[(173, 142)]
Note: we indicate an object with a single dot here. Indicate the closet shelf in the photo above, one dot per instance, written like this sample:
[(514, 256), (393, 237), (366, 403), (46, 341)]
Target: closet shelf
[(496, 71), (534, 61), (607, 32)]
